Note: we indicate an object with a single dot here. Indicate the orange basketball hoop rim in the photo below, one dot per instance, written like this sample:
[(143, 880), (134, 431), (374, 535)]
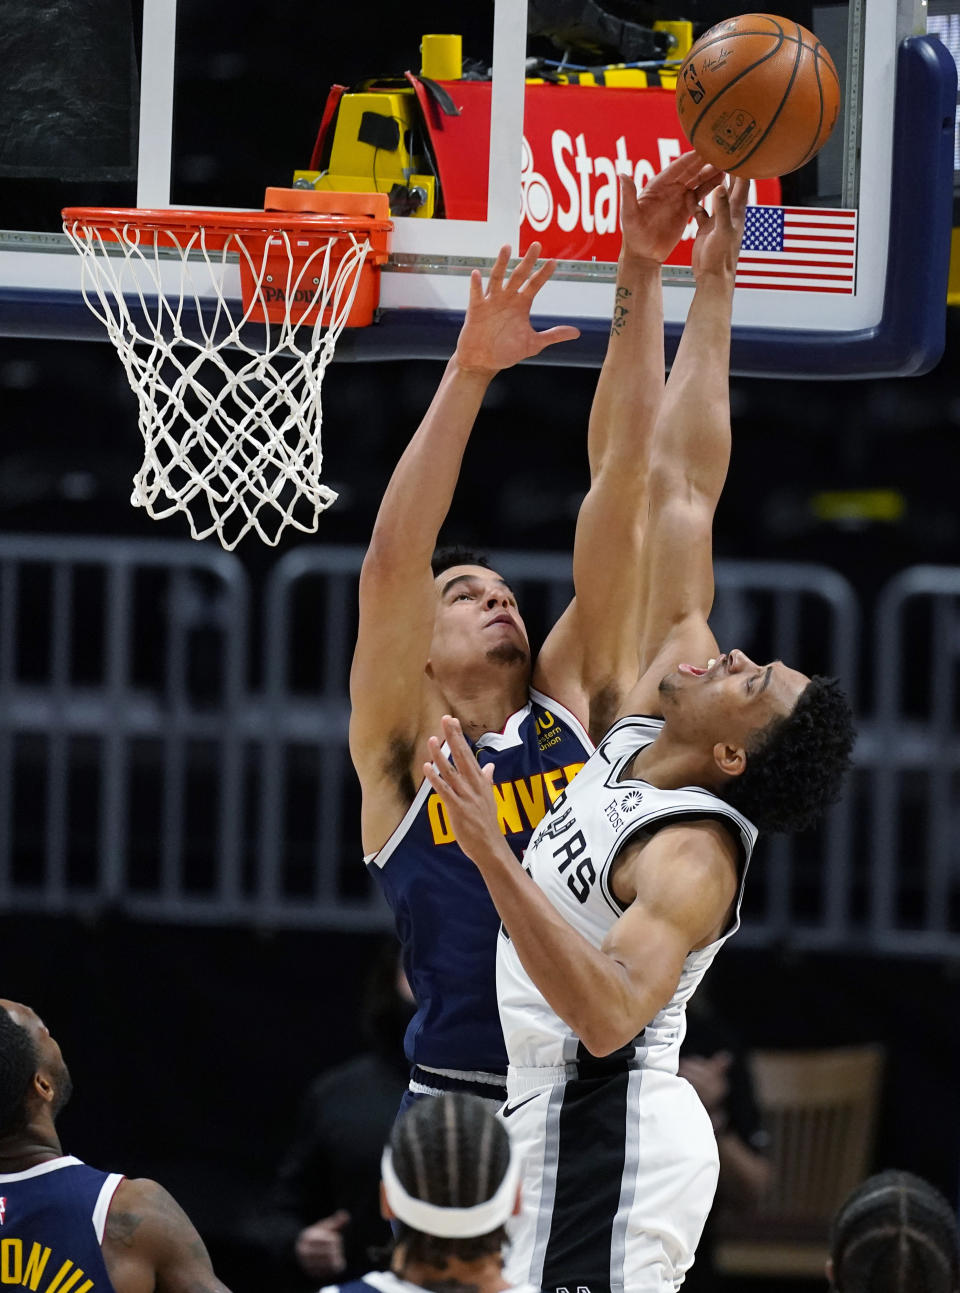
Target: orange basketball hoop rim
[(280, 250), (234, 443)]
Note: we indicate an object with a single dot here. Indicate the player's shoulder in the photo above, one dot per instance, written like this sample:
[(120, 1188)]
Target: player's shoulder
[(140, 1191), (706, 836), (142, 1209), (692, 854)]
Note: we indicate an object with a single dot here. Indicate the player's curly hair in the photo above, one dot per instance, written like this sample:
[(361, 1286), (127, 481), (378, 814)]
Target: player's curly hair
[(450, 1151), (796, 765), (18, 1063), (455, 554), (895, 1232)]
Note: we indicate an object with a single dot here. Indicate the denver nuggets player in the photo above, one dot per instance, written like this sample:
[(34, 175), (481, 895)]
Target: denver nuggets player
[(66, 1227), (452, 640), (633, 880)]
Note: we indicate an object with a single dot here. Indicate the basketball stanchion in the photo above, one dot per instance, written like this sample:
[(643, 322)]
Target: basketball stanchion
[(228, 392)]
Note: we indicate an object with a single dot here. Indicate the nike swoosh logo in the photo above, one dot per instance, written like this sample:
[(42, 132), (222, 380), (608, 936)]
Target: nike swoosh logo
[(508, 1109)]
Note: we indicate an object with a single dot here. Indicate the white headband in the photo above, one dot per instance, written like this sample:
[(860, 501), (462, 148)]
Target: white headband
[(451, 1223)]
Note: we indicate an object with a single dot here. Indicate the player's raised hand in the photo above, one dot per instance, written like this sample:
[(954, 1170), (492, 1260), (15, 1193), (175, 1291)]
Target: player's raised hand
[(654, 219), (497, 332), (466, 791), (719, 233)]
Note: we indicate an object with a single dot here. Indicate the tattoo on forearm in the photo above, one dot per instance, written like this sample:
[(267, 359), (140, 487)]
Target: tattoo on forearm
[(620, 311)]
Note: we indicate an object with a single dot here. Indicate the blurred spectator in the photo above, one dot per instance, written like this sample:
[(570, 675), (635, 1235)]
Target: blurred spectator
[(715, 1065), (894, 1232), (322, 1214), (450, 1183)]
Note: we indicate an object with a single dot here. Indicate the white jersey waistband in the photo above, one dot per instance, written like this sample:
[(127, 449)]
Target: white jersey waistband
[(520, 1080), (465, 1075)]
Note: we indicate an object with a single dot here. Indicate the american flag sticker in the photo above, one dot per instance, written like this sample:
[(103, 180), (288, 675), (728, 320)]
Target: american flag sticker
[(799, 249)]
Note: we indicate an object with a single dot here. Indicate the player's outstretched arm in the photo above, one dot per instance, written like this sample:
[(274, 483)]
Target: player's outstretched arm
[(150, 1243), (606, 994), (689, 459), (652, 222), (396, 588), (599, 638)]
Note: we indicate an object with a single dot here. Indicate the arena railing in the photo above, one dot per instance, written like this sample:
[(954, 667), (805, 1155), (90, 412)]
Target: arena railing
[(173, 740)]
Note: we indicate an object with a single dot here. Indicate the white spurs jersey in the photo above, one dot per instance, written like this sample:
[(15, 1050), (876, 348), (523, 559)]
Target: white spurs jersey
[(570, 856)]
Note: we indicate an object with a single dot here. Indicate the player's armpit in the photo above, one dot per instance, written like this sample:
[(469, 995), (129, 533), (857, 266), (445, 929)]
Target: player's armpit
[(590, 660), (558, 671), (150, 1244)]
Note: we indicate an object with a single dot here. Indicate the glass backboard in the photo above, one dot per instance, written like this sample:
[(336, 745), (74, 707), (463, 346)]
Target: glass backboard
[(525, 143)]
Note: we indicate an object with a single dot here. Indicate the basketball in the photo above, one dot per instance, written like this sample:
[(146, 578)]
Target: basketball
[(758, 95)]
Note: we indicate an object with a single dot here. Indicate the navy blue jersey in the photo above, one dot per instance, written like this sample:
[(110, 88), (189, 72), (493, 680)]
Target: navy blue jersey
[(445, 919), (52, 1218)]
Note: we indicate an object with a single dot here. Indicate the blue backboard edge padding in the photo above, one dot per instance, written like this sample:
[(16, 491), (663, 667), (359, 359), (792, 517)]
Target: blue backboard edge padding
[(908, 340)]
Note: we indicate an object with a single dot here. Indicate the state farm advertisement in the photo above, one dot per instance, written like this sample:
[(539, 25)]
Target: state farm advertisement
[(576, 140)]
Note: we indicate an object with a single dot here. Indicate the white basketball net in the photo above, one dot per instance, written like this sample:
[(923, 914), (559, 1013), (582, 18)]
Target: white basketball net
[(231, 433)]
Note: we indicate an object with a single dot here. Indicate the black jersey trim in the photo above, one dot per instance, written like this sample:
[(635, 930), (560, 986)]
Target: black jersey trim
[(628, 721), (591, 1156), (729, 818), (613, 902)]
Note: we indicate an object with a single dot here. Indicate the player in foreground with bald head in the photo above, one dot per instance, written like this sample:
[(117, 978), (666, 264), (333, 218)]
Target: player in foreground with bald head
[(65, 1226)]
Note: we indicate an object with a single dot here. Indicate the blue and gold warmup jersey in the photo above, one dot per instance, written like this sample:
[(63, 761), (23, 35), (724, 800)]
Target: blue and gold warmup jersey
[(445, 919), (52, 1218)]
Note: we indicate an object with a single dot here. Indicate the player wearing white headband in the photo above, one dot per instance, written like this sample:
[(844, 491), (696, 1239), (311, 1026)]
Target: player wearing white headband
[(450, 1182)]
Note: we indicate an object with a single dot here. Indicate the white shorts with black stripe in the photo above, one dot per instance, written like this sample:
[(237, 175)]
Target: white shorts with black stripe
[(619, 1174)]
